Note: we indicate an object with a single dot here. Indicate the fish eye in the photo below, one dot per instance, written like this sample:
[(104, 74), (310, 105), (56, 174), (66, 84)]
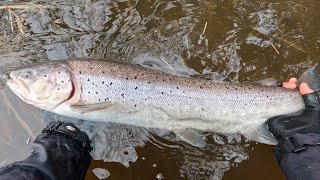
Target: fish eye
[(27, 74)]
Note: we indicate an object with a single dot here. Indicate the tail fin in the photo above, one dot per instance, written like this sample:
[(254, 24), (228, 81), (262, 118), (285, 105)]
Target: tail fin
[(312, 77)]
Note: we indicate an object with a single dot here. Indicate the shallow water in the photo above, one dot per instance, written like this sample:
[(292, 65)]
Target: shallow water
[(237, 40)]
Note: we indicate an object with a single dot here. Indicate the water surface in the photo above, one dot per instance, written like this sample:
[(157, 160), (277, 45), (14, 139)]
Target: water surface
[(234, 41)]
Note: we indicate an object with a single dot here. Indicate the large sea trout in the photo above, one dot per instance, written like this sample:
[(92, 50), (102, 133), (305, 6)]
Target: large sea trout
[(100, 90)]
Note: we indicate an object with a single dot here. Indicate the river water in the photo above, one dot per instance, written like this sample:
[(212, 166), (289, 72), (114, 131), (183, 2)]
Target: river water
[(232, 41)]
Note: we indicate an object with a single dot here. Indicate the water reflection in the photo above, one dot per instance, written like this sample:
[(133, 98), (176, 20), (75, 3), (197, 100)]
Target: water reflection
[(235, 40)]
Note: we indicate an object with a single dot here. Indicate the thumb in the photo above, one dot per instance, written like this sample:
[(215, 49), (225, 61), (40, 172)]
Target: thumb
[(304, 89)]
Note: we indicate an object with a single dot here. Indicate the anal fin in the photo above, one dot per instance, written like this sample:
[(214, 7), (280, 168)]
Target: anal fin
[(260, 134), (190, 137)]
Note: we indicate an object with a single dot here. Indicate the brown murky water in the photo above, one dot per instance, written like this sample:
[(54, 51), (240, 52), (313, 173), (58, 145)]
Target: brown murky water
[(234, 40)]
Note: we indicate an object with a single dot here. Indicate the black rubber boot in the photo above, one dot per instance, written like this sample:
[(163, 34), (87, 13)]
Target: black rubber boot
[(60, 152)]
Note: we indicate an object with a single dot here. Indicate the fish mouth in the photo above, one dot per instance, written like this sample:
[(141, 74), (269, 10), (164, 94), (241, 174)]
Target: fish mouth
[(20, 89)]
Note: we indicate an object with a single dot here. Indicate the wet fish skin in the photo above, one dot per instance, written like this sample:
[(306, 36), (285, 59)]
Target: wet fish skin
[(131, 94)]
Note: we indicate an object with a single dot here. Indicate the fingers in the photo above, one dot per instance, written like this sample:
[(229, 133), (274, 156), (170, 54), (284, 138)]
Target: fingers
[(293, 80), (291, 84), (304, 89)]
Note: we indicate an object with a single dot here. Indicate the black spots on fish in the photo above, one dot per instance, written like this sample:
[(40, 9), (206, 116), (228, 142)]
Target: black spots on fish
[(240, 86), (80, 72), (136, 87), (103, 72), (169, 79), (189, 97), (227, 87), (59, 72), (89, 92), (236, 89), (99, 99), (163, 80), (249, 87), (149, 82), (88, 80), (97, 92), (262, 90), (127, 78), (170, 91), (162, 92), (290, 95), (45, 75), (142, 74), (201, 87), (135, 105), (62, 81), (110, 83), (183, 92), (91, 68), (135, 77), (58, 89), (157, 77), (202, 109), (122, 95), (102, 82), (267, 96), (177, 87)]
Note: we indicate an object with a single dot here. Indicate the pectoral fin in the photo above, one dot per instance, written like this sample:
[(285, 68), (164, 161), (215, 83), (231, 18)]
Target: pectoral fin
[(260, 134), (91, 107), (190, 137)]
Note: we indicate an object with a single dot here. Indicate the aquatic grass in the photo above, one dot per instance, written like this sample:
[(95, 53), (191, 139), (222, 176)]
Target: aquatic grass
[(19, 19)]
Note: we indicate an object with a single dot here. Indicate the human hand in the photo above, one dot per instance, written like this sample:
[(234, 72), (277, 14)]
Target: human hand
[(304, 121), (286, 128), (303, 88)]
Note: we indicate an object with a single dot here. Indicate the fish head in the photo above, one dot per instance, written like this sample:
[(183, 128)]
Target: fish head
[(44, 86)]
